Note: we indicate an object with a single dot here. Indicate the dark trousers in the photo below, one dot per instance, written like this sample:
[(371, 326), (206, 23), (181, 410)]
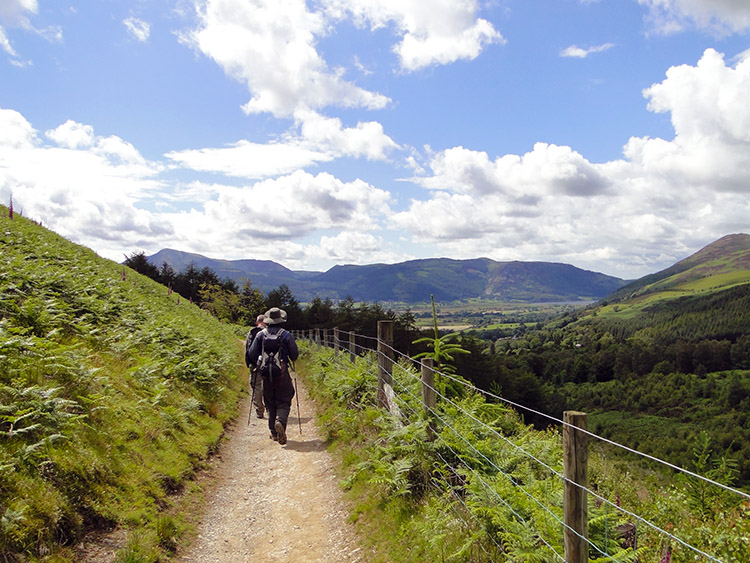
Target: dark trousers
[(277, 394)]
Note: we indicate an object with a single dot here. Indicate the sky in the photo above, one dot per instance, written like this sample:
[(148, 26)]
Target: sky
[(613, 135)]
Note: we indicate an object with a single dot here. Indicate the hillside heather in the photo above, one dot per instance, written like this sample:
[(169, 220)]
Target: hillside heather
[(112, 392)]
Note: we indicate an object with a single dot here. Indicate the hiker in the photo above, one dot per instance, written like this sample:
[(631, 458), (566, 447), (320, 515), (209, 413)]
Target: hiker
[(272, 350), (256, 381)]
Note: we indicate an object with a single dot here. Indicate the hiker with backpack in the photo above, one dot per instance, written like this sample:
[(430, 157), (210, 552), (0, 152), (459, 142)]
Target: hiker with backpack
[(256, 381), (272, 350)]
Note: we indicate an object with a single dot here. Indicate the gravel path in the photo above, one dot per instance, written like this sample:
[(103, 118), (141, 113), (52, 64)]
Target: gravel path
[(268, 502)]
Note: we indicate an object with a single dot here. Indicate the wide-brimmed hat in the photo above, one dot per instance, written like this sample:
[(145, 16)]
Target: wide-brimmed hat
[(275, 316)]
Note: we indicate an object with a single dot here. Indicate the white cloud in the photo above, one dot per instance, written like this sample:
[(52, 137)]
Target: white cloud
[(16, 132), (547, 170), (353, 248), (14, 13), (721, 16), (706, 100), (98, 191), (72, 135), (83, 186), (270, 46), (553, 204), (711, 119), (137, 28), (439, 32), (265, 219), (580, 53), (319, 139), (5, 44), (367, 139), (249, 160)]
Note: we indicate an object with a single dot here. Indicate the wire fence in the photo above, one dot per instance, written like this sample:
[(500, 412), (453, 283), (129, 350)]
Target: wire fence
[(460, 437)]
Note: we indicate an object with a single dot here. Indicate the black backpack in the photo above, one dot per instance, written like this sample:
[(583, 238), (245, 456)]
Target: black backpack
[(270, 356)]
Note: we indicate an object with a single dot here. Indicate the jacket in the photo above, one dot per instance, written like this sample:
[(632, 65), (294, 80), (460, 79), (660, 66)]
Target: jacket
[(289, 350)]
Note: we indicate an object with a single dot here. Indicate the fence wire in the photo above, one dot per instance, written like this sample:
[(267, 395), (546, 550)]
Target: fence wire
[(378, 351)]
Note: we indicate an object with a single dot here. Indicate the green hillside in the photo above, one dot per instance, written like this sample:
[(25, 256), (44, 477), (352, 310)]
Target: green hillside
[(112, 392), (721, 264), (707, 295)]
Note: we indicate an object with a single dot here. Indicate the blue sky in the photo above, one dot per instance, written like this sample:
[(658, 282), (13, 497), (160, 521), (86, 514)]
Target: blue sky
[(613, 135)]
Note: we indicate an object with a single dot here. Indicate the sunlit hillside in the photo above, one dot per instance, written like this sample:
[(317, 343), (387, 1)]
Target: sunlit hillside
[(112, 391)]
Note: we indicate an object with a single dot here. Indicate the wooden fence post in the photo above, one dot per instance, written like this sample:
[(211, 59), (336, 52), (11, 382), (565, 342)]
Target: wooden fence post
[(317, 336), (352, 347), (385, 362), (428, 393), (575, 463), (336, 345)]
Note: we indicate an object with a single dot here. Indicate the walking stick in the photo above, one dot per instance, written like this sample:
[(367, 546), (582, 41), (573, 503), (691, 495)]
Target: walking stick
[(296, 394), (252, 398)]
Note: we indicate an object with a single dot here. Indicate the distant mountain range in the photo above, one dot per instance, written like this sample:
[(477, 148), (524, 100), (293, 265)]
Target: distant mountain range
[(413, 281)]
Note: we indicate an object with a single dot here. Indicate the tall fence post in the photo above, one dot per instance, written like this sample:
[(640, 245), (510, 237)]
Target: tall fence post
[(385, 362), (575, 465), (336, 345), (352, 347), (317, 336), (428, 392)]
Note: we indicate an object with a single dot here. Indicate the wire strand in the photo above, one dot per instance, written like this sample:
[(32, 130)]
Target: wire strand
[(582, 430)]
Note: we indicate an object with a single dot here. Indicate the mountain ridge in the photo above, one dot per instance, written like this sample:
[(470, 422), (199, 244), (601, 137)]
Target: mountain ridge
[(413, 281), (725, 260)]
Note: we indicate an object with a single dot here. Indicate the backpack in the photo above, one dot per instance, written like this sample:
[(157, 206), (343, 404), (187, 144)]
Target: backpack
[(270, 356)]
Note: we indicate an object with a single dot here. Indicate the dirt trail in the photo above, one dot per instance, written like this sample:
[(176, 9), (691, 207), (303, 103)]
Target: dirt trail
[(269, 503)]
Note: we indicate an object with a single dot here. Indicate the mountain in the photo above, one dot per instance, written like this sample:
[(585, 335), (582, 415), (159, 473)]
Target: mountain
[(722, 264), (413, 281), (704, 296)]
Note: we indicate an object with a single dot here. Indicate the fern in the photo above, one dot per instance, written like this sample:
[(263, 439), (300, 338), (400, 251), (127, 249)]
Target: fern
[(443, 349)]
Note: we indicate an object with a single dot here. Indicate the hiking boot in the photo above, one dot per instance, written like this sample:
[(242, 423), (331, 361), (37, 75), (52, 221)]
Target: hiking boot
[(280, 432), (259, 412), (274, 437)]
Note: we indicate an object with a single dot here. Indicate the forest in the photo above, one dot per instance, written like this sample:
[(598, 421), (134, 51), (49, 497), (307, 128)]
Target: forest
[(653, 381)]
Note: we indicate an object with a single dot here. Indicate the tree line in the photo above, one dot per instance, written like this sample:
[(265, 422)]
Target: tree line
[(242, 303)]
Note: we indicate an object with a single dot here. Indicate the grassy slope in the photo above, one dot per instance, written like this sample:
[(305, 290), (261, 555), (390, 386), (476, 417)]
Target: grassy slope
[(111, 393), (696, 282), (720, 265)]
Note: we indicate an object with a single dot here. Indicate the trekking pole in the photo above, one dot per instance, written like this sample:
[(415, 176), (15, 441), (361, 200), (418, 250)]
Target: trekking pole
[(296, 394), (252, 398)]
